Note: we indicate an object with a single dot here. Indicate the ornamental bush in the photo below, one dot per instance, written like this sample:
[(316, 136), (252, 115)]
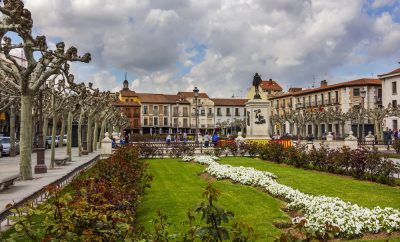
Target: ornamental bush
[(361, 163), (101, 205)]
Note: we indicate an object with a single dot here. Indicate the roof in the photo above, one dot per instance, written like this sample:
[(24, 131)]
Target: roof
[(191, 94), (119, 103), (229, 101), (160, 98), (358, 82), (127, 93), (392, 73), (270, 85)]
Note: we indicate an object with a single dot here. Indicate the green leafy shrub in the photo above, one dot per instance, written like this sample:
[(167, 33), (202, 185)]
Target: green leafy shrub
[(272, 151), (101, 207), (396, 146)]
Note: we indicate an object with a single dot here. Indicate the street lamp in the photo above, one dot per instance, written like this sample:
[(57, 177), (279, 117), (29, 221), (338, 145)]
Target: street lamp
[(40, 166), (177, 123), (363, 95), (196, 96)]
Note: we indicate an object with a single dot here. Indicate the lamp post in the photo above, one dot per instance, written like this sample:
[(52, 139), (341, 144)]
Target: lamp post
[(363, 94), (196, 96), (40, 166), (177, 123)]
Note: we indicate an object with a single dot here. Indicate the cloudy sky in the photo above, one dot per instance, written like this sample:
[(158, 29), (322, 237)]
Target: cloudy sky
[(171, 45)]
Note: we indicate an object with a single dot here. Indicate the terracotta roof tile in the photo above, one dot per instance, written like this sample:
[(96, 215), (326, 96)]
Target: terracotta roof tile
[(229, 102), (160, 98), (190, 94), (394, 72), (270, 85), (126, 104), (127, 93), (358, 82)]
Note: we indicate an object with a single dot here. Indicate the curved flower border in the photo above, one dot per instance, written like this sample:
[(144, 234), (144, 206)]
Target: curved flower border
[(319, 211)]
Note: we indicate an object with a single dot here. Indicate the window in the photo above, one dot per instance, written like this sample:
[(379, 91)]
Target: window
[(219, 112), (336, 96), (210, 111), (185, 123), (394, 103), (394, 87), (329, 98), (283, 103), (155, 121), (315, 100), (155, 109), (175, 122), (145, 110), (237, 113), (309, 100), (356, 92), (165, 121), (228, 112), (394, 124), (145, 122), (322, 98), (176, 111), (185, 112), (165, 110)]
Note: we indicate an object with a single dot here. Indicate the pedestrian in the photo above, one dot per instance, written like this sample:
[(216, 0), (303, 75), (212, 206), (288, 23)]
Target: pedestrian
[(215, 138), (185, 137), (126, 138), (168, 139), (206, 140)]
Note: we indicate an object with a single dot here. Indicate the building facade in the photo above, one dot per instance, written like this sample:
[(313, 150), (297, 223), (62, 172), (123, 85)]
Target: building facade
[(357, 94), (151, 113), (391, 95), (267, 88)]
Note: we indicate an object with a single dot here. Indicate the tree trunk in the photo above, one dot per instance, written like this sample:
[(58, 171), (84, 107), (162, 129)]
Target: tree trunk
[(343, 134), (80, 133), (69, 134), (12, 131), (89, 134), (62, 131), (26, 140), (102, 131), (95, 132), (53, 141), (45, 127)]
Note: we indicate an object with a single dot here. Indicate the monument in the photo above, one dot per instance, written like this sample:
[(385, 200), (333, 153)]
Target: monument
[(257, 114)]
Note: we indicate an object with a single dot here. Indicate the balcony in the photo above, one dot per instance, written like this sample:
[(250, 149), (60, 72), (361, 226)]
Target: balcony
[(290, 105), (228, 114), (175, 114), (300, 105), (210, 115), (282, 105), (219, 114), (185, 114)]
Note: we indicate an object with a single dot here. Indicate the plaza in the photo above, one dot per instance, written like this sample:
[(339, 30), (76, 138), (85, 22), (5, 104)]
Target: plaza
[(212, 121)]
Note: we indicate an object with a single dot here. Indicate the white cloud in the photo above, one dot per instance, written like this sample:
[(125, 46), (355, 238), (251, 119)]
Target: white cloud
[(287, 40), (383, 3)]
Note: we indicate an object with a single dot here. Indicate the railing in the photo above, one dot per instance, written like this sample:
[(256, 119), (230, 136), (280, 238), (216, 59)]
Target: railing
[(42, 194), (375, 142)]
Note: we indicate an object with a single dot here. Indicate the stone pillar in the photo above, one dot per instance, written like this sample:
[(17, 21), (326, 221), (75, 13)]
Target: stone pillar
[(258, 119), (106, 146), (351, 141), (370, 137), (329, 137)]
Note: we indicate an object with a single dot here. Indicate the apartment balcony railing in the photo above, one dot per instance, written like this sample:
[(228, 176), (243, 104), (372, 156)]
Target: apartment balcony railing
[(210, 115), (300, 105)]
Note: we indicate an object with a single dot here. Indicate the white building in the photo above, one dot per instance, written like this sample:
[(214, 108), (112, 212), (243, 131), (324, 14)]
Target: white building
[(391, 95), (363, 92), (229, 113)]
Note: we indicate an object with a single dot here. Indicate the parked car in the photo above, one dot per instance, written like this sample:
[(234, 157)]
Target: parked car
[(48, 142), (6, 145)]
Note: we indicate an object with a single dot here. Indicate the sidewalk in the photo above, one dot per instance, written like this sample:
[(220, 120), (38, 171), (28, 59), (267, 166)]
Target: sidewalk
[(22, 189)]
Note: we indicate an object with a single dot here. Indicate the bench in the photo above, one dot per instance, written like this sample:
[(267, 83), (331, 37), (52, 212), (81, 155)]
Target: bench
[(61, 160), (8, 181)]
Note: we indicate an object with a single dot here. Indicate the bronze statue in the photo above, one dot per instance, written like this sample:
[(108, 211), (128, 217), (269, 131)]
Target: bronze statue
[(256, 83)]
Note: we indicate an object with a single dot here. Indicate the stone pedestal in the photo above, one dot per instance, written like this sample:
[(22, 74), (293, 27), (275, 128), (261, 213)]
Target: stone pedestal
[(106, 146), (329, 137), (258, 119), (370, 137), (351, 141)]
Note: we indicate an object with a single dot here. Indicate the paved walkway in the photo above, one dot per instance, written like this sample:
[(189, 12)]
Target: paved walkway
[(22, 189)]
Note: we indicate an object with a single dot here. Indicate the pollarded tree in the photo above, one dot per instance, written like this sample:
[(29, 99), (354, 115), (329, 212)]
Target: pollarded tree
[(378, 114), (28, 78)]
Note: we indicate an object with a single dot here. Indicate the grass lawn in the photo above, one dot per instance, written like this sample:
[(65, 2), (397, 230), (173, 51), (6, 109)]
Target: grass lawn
[(363, 193), (177, 187)]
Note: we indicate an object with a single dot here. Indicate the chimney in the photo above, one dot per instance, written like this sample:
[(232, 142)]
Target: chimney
[(324, 83), (270, 81)]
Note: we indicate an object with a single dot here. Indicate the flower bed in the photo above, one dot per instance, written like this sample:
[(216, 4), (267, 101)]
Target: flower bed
[(320, 212)]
